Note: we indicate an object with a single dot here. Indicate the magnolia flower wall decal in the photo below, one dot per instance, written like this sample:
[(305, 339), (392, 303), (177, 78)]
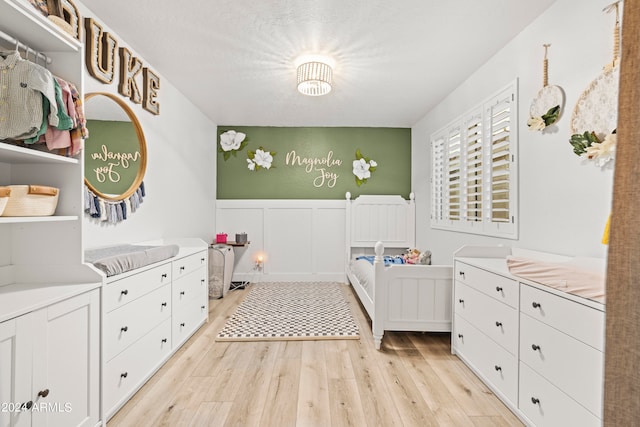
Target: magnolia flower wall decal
[(232, 142), (260, 159), (363, 167)]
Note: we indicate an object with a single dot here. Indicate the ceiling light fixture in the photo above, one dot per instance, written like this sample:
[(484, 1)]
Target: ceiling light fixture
[(314, 78)]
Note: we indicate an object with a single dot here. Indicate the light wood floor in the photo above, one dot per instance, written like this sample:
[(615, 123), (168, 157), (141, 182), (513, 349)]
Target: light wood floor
[(414, 381)]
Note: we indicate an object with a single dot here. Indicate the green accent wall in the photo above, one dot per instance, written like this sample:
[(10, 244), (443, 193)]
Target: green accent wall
[(315, 163)]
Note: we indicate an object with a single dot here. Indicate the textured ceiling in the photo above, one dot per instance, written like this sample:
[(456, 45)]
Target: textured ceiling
[(394, 60)]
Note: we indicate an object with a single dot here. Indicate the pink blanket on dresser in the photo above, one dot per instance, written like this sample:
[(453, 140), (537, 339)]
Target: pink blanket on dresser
[(574, 276)]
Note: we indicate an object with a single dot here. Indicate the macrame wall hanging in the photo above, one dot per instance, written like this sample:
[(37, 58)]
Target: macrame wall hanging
[(112, 211), (548, 104), (595, 116)]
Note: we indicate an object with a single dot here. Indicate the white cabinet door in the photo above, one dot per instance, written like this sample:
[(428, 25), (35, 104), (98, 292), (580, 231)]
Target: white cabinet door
[(15, 372), (66, 363)]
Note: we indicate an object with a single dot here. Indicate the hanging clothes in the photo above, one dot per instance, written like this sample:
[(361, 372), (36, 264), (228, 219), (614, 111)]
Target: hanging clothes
[(58, 136), (22, 86)]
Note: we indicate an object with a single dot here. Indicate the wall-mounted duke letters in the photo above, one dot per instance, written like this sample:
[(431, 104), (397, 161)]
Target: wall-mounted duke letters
[(101, 48), (100, 52)]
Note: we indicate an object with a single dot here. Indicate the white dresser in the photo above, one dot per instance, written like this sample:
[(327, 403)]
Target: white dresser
[(539, 349), (148, 314)]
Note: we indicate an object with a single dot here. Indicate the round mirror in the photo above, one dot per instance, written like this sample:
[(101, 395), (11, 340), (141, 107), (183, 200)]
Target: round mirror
[(115, 153)]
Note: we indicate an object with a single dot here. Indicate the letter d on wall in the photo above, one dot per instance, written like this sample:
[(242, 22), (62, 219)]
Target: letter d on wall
[(100, 51)]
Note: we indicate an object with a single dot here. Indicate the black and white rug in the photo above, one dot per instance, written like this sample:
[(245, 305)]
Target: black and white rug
[(291, 311)]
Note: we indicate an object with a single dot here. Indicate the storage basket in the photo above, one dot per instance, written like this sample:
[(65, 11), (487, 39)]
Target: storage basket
[(4, 197), (31, 200)]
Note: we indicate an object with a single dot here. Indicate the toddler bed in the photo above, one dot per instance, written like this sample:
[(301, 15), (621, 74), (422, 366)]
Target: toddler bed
[(397, 297)]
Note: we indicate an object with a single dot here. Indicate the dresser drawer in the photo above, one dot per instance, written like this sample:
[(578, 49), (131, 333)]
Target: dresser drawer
[(126, 371), (498, 287), (120, 292), (497, 366), (579, 321), (572, 366), (188, 318), (183, 266), (497, 320), (188, 287), (545, 405), (130, 322)]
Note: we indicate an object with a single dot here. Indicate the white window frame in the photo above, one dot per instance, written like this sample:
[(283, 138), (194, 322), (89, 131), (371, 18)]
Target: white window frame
[(474, 175)]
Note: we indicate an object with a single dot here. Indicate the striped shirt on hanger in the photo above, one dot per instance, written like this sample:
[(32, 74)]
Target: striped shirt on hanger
[(22, 85)]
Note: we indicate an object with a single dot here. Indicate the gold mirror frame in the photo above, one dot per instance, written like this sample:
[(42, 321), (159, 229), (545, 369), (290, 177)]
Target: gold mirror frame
[(141, 143)]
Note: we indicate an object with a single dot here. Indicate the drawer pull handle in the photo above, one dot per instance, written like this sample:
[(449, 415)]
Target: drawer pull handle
[(164, 304), (202, 307), (535, 347), (535, 400), (202, 281), (29, 404), (164, 340), (124, 375), (536, 305), (201, 259), (182, 268), (182, 324), (164, 275), (43, 393), (499, 324), (460, 336), (498, 368), (498, 289), (461, 301), (461, 273), (125, 292), (181, 292), (124, 329)]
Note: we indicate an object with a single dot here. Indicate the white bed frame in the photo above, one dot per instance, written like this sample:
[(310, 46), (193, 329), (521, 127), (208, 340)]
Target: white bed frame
[(405, 297)]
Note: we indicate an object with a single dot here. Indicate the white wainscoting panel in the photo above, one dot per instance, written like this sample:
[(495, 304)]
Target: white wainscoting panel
[(299, 240)]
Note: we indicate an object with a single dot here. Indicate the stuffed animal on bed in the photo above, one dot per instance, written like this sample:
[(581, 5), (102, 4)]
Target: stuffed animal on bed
[(414, 256)]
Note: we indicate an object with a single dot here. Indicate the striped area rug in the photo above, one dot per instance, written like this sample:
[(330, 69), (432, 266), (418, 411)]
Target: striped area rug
[(291, 311)]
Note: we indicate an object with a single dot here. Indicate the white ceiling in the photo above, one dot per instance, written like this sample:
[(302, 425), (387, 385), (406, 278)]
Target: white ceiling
[(395, 60)]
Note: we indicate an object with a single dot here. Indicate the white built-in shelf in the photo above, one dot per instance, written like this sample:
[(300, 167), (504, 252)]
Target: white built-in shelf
[(15, 154), (45, 35), (32, 219)]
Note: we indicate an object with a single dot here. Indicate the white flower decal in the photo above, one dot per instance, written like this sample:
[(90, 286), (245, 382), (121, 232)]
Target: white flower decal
[(231, 142), (263, 158), (260, 159), (363, 168)]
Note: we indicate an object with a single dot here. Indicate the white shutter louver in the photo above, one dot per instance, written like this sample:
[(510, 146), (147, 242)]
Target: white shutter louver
[(437, 178), (500, 161), (474, 176), (454, 173), (473, 168)]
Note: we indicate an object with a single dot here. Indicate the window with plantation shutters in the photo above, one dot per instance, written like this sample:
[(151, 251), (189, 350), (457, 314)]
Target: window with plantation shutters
[(474, 169)]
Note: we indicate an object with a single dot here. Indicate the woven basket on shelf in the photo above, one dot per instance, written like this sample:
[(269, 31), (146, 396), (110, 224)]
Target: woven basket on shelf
[(4, 197), (31, 200)]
